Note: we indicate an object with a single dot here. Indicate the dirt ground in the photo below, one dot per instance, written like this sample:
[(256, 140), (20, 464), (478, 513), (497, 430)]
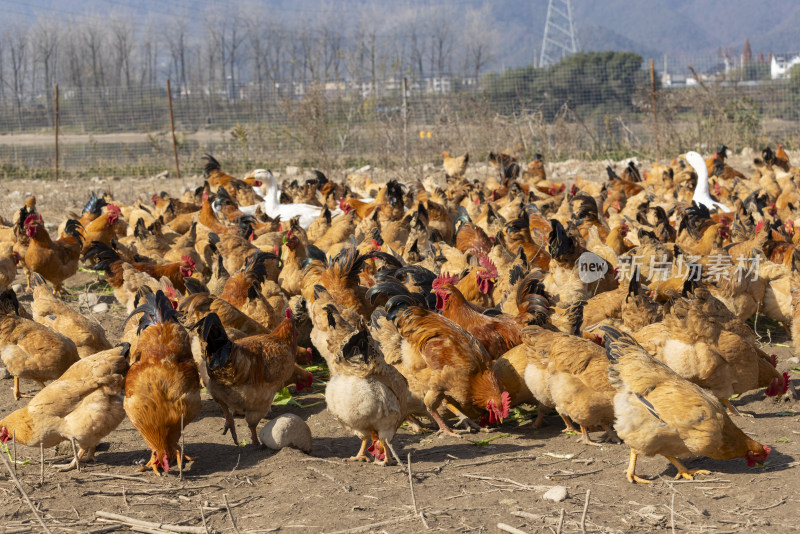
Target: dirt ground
[(468, 484)]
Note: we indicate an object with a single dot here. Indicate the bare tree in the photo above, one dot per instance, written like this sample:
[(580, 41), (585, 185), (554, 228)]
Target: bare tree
[(123, 41), (45, 40), (480, 41), (17, 41), (96, 38), (176, 36)]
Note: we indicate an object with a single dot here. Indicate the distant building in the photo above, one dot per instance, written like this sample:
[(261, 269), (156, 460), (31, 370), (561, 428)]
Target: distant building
[(781, 64)]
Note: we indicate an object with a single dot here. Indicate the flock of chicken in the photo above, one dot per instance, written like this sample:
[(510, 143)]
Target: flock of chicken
[(439, 298)]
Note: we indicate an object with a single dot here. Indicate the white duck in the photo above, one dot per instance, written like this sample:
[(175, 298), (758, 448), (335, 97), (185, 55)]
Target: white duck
[(273, 208), (701, 195)]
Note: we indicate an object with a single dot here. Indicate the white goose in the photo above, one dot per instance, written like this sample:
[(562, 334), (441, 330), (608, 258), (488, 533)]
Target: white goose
[(701, 195), (273, 208)]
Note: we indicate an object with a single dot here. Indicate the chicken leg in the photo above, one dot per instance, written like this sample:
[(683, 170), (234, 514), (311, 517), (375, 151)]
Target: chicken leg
[(733, 409), (432, 402), (254, 435), (17, 394), (360, 456), (631, 472), (229, 424), (468, 423), (387, 459), (585, 438), (688, 474), (569, 426)]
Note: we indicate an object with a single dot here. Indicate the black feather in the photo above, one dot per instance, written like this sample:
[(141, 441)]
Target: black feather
[(218, 346), (211, 165)]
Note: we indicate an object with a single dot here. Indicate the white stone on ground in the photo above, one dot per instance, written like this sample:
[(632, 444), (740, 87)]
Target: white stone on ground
[(287, 430)]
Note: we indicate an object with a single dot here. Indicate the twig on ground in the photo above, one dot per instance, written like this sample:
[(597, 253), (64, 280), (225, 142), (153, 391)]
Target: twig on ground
[(560, 522), (509, 481), (123, 477), (495, 460), (414, 497), (782, 501), (509, 528), (565, 476), (230, 513), (344, 486), (203, 517), (672, 513), (132, 522), (585, 509), (24, 494), (372, 526)]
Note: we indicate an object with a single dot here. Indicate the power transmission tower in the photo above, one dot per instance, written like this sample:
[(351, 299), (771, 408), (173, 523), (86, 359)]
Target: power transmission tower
[(559, 33)]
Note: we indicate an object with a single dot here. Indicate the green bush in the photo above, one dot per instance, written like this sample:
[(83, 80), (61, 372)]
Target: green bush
[(593, 84)]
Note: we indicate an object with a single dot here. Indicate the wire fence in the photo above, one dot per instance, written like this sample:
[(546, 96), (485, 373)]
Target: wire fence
[(612, 111)]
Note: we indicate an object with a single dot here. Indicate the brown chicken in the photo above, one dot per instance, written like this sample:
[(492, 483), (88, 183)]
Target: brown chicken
[(365, 394), (659, 412), (8, 268), (477, 284), (340, 279), (440, 360), (705, 343), (242, 291), (110, 262), (576, 378), (162, 388), (198, 303), (84, 404), (88, 335), (454, 167), (105, 227), (292, 255), (244, 375), (30, 350), (499, 332), (54, 260)]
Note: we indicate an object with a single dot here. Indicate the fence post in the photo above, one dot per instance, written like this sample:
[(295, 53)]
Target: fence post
[(653, 97), (405, 124), (172, 125), (55, 116)]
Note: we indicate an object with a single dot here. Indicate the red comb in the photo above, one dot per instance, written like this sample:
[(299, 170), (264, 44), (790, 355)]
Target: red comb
[(506, 399), (444, 279), (288, 313), (487, 264), (30, 218), (114, 208)]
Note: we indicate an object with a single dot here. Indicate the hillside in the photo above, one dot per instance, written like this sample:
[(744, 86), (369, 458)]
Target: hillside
[(513, 28)]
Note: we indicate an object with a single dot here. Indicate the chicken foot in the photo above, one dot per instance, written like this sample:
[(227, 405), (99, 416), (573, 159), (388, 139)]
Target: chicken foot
[(360, 456), (585, 438), (79, 458), (631, 472), (468, 423), (611, 435), (432, 402), (569, 426), (17, 394), (416, 425), (733, 409), (688, 474)]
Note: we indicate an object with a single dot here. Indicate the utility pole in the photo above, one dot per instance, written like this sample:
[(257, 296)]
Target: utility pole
[(560, 39)]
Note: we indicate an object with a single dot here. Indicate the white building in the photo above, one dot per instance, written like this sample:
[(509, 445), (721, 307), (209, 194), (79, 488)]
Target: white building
[(781, 64)]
